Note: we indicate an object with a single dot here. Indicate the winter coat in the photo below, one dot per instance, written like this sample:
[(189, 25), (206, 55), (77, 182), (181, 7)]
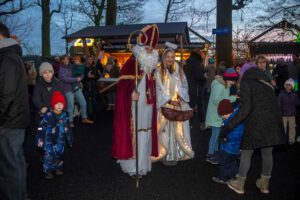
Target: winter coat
[(288, 103), (78, 70), (194, 71), (90, 87), (14, 107), (99, 66), (294, 69), (66, 77), (280, 74), (219, 91), (259, 111), (54, 130), (56, 67), (268, 74), (43, 92), (232, 145)]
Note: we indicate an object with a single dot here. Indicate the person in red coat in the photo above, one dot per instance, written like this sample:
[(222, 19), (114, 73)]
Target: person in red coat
[(123, 148)]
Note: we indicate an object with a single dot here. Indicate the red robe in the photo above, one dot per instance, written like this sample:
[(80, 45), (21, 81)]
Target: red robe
[(122, 147)]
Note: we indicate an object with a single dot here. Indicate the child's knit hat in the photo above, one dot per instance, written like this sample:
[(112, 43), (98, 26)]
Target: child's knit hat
[(291, 82), (225, 107), (56, 98), (230, 74), (45, 66)]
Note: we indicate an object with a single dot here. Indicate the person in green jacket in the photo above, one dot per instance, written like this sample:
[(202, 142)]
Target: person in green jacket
[(219, 91), (77, 71)]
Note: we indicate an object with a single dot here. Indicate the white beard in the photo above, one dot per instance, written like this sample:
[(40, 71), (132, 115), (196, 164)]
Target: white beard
[(147, 61)]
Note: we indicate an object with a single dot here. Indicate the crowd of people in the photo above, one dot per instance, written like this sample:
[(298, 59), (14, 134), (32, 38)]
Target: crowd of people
[(247, 107)]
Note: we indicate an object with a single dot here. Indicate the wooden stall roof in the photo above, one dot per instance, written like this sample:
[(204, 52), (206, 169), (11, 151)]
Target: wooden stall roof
[(283, 25), (119, 34)]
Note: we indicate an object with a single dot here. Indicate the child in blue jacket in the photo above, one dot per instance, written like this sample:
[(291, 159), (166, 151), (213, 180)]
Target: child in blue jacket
[(230, 144), (53, 131)]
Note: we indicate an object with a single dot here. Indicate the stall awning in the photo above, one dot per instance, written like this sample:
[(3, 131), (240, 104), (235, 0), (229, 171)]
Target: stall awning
[(274, 48), (119, 34)]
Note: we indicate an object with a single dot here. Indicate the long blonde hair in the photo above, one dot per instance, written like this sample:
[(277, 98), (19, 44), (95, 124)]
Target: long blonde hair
[(172, 67)]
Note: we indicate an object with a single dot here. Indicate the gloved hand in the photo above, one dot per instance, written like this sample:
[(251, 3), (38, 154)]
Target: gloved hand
[(223, 134)]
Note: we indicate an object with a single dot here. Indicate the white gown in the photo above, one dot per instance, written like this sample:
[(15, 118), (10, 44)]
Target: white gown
[(174, 140), (144, 140)]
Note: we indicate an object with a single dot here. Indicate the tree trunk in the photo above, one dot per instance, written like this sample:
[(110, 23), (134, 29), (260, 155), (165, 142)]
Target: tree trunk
[(46, 19), (224, 41), (98, 16), (67, 46), (111, 12)]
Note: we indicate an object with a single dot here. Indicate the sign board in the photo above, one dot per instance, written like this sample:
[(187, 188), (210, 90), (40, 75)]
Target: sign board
[(194, 45), (220, 31)]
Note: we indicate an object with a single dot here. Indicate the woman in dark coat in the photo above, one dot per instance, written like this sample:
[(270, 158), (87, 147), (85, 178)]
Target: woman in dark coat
[(263, 127), (194, 71), (90, 87)]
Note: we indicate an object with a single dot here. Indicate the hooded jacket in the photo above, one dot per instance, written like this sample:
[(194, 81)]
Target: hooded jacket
[(14, 107), (259, 111), (232, 145), (219, 91)]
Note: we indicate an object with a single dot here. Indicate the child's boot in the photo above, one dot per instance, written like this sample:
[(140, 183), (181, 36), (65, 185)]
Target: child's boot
[(48, 176), (59, 172), (263, 184), (237, 184)]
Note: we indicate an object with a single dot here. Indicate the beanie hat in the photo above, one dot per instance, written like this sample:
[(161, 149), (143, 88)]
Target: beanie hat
[(290, 82), (230, 74), (245, 67), (225, 107), (45, 66), (56, 98)]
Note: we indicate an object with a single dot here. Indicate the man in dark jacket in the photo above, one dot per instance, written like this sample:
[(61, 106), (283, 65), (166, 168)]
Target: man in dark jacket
[(263, 127), (194, 71), (14, 118), (280, 74)]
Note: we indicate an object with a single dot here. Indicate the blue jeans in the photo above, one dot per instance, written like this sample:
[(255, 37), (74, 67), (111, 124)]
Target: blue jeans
[(70, 104), (12, 164), (228, 166), (214, 140)]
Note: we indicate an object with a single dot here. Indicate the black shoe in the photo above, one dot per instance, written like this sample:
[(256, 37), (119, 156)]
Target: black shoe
[(48, 176), (217, 180), (58, 172), (212, 160)]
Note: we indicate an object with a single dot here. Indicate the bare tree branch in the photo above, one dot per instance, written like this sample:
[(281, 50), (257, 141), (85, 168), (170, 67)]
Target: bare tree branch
[(58, 9), (92, 9), (275, 12), (129, 11), (239, 4), (11, 9), (5, 2)]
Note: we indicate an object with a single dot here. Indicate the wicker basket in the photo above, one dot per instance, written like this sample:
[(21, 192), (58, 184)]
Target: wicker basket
[(176, 115)]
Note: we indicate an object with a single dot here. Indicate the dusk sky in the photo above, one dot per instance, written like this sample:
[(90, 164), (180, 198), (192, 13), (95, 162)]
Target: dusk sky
[(153, 12)]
